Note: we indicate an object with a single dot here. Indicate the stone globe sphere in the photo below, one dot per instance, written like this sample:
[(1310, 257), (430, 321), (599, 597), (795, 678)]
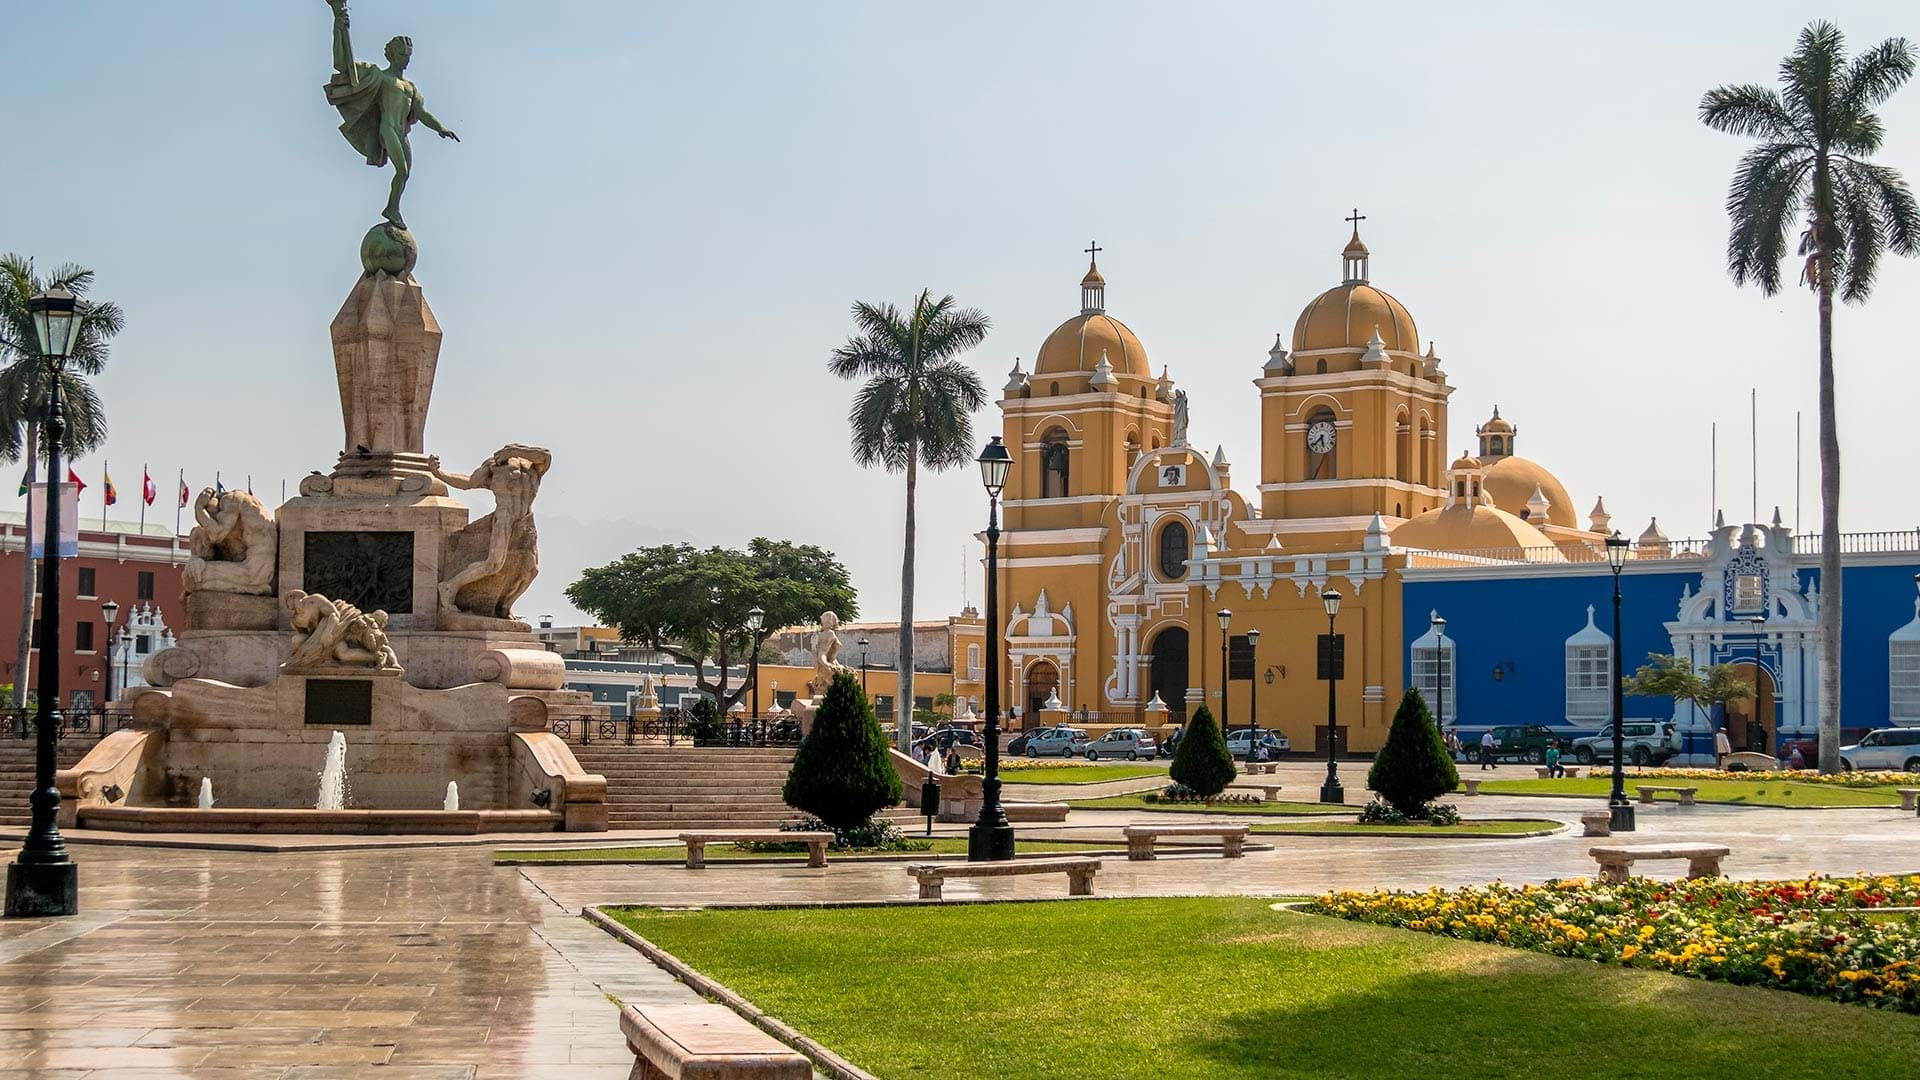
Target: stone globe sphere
[(388, 249)]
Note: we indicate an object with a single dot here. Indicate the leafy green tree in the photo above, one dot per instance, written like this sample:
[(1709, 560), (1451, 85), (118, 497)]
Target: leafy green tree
[(1671, 676), (692, 603), (841, 774), (1202, 761), (1413, 768), (24, 385), (1813, 166), (916, 408)]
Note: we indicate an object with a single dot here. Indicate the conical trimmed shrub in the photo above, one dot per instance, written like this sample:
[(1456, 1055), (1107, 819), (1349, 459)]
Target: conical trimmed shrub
[(1413, 768), (1202, 761), (841, 774)]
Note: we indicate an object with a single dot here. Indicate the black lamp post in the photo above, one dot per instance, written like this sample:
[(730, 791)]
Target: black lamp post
[(110, 611), (42, 880), (1330, 664), (1440, 672), (991, 838), (1617, 803), (1225, 615), (1253, 695), (756, 620), (863, 663)]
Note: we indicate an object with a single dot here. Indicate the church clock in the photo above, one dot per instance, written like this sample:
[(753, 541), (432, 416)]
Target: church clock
[(1320, 443)]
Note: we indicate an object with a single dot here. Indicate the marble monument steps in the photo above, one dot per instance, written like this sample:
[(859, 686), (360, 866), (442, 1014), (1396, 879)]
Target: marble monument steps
[(16, 773)]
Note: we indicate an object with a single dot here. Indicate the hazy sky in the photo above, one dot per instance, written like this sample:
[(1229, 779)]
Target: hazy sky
[(645, 247)]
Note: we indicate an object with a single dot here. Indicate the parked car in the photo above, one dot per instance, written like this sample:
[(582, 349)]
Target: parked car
[(1886, 748), (1276, 743), (1130, 743), (1518, 742), (1018, 745), (1645, 742), (1056, 742)]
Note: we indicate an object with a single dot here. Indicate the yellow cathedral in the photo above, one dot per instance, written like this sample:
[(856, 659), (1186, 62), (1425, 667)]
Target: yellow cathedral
[(1124, 540)]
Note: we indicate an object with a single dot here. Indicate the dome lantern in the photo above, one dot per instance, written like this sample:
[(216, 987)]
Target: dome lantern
[(1093, 287), (1354, 258)]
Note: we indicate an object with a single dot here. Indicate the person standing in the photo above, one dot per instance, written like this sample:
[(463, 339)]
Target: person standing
[(1721, 748), (953, 758), (1486, 750)]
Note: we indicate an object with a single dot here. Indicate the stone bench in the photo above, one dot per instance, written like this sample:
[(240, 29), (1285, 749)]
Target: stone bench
[(697, 843), (1270, 793), (1703, 860), (1647, 792), (1471, 783), (1079, 873), (1140, 838), (1907, 797), (1255, 768), (1597, 823), (706, 1041), (1572, 772)]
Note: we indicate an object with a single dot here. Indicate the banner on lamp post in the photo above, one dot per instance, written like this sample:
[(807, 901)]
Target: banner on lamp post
[(69, 521)]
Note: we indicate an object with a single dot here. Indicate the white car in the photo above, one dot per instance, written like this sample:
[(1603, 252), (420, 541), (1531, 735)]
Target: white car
[(1887, 748), (1275, 742), (1063, 742), (1130, 743)]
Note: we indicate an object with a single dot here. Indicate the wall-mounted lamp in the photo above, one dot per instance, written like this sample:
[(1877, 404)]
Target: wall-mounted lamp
[(1502, 669), (1271, 668)]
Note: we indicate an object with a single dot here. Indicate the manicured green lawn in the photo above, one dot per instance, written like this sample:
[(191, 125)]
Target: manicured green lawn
[(1468, 827), (1226, 987), (1743, 792), (942, 845), (1077, 774), (1135, 802)]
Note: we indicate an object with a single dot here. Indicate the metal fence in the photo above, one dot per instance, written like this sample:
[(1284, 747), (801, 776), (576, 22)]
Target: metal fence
[(85, 724), (674, 727)]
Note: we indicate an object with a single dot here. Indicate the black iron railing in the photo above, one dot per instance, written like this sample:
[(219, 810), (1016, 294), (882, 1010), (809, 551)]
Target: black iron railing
[(675, 727), (88, 724)]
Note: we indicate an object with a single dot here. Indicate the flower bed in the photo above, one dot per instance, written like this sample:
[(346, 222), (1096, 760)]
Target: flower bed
[(1798, 776), (1812, 937), (1174, 793), (1030, 764)]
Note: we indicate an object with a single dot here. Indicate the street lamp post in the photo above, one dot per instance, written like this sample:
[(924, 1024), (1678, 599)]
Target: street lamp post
[(1759, 624), (1330, 664), (991, 838), (108, 612), (1253, 695), (1440, 672), (1225, 615), (1617, 803), (864, 643), (756, 619), (42, 880)]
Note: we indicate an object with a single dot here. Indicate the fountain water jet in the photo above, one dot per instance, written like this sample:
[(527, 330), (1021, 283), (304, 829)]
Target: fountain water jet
[(206, 793), (452, 801), (333, 775)]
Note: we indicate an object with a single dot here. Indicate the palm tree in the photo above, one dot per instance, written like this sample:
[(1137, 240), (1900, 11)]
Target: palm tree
[(915, 409), (1817, 133), (24, 382)]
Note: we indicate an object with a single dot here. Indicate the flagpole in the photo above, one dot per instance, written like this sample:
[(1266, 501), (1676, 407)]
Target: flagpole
[(179, 502), (145, 480), (106, 487)]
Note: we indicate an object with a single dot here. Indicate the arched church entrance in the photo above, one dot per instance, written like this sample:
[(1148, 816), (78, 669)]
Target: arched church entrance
[(1043, 678), (1168, 677), (1750, 720)]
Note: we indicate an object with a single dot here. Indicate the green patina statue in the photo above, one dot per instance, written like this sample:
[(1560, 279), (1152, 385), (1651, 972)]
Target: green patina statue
[(377, 108)]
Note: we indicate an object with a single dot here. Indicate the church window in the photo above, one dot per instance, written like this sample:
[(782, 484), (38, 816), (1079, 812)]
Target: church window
[(1403, 449), (1320, 366), (973, 659), (1133, 448), (1749, 593), (1433, 671), (1053, 388), (1175, 548), (1903, 681), (1589, 684), (1053, 466)]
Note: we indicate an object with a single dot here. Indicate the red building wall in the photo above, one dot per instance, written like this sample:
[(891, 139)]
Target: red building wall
[(119, 556)]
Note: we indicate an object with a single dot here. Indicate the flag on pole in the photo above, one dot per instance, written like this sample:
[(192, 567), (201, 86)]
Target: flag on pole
[(79, 485), (183, 489), (23, 481), (218, 487), (111, 495), (148, 491)]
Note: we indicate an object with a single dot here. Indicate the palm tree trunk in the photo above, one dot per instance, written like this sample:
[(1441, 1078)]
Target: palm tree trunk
[(903, 700), (1829, 535), (23, 654)]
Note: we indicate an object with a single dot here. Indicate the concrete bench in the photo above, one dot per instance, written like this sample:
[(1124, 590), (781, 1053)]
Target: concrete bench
[(1255, 768), (1572, 772), (706, 1041), (697, 843), (1471, 783), (1079, 873), (1703, 860), (1597, 823), (1907, 797), (1647, 792), (1140, 838), (1269, 792)]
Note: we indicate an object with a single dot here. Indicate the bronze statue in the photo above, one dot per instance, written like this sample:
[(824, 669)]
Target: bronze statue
[(378, 107)]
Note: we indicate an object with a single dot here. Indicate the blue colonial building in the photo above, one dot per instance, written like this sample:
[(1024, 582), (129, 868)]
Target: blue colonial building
[(1529, 642)]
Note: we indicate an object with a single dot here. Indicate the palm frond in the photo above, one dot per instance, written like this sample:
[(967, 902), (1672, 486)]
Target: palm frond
[(1899, 212), (1811, 73), (1752, 111), (1857, 243), (1762, 201), (1873, 76)]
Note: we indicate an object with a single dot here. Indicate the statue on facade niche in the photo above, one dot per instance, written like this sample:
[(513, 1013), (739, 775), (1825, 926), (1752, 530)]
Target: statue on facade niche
[(334, 633), (233, 545), (378, 107), (826, 654), (486, 566), (1179, 418)]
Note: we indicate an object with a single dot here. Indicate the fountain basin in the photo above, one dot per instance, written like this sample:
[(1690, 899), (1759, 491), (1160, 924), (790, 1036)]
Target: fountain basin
[(240, 819)]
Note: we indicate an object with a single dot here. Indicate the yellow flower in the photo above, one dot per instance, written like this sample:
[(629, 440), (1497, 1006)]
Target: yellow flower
[(1629, 952)]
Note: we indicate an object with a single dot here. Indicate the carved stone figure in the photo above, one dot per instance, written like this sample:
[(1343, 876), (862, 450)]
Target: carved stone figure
[(334, 633), (489, 564), (233, 546), (826, 654), (1179, 418)]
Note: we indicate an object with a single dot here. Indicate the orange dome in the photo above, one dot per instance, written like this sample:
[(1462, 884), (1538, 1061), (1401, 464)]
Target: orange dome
[(1510, 483), (1344, 317), (1077, 345), (1476, 528)]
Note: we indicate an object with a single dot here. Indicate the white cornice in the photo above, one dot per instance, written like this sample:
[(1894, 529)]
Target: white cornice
[(1024, 537)]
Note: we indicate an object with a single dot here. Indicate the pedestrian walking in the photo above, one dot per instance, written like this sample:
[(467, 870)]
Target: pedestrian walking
[(1486, 750), (1721, 748)]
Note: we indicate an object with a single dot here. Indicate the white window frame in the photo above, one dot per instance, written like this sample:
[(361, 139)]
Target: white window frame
[(1434, 666), (1589, 684), (1903, 681)]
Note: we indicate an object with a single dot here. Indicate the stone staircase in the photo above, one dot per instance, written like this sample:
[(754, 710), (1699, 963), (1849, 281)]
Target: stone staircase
[(652, 786), (16, 773)]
